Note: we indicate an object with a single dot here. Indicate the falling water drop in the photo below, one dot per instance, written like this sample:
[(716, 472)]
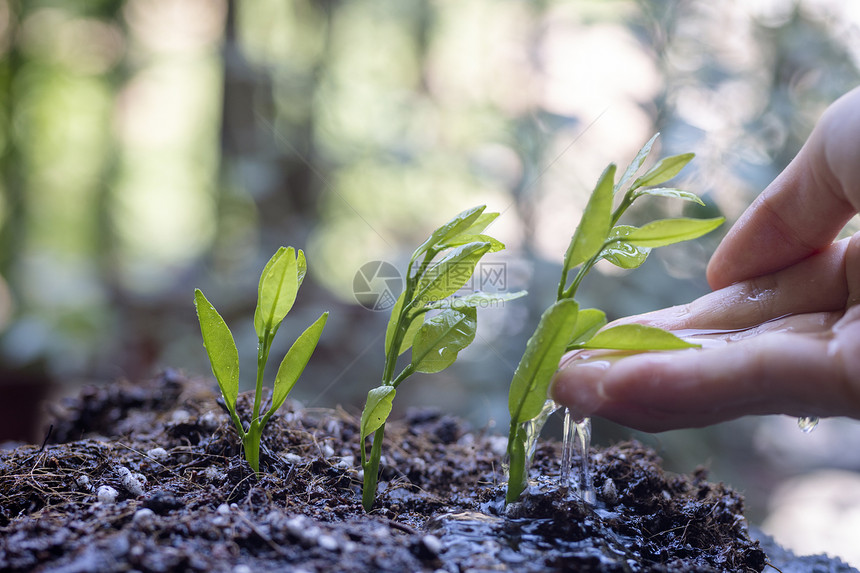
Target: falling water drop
[(807, 423)]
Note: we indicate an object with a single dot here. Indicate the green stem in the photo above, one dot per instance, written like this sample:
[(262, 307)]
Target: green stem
[(407, 314), (403, 321), (583, 270), (391, 359), (251, 445), (622, 207), (264, 344), (561, 283), (404, 374), (516, 465), (238, 423), (371, 469)]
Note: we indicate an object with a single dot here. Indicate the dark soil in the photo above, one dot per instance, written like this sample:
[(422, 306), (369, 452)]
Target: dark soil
[(196, 505)]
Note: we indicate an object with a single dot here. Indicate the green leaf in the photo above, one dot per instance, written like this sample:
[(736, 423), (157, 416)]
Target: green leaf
[(463, 239), (636, 164), (460, 223), (669, 231), (664, 170), (478, 299), (441, 338), (301, 268), (637, 337), (376, 410), (221, 349), (295, 361), (589, 321), (669, 192), (480, 224), (414, 324), (540, 360), (595, 223), (450, 274), (622, 253), (276, 294), (409, 336)]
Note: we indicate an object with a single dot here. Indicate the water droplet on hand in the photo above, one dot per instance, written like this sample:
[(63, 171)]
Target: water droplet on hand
[(807, 423)]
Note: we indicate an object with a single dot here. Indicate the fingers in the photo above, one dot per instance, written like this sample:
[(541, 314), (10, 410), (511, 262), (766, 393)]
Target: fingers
[(852, 270), (773, 373), (817, 284), (804, 208)]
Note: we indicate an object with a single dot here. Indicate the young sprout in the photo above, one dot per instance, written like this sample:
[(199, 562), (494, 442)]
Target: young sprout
[(276, 294), (564, 326), (435, 339)]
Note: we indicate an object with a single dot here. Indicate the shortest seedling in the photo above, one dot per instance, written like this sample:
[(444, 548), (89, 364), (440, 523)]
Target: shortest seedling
[(279, 285)]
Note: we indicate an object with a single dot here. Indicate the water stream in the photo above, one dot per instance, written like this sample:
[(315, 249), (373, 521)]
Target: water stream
[(533, 428), (576, 444), (577, 438)]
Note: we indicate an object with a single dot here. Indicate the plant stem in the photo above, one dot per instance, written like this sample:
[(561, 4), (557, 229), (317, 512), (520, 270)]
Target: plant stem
[(562, 282), (583, 270), (516, 465), (404, 374), (263, 346), (371, 469), (238, 423), (251, 445), (622, 207)]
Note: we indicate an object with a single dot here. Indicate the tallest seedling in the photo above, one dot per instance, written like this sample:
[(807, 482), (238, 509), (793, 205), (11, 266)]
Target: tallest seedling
[(276, 294), (564, 326)]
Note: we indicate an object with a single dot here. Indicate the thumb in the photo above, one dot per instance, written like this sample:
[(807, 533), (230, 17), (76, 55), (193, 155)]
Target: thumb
[(804, 208)]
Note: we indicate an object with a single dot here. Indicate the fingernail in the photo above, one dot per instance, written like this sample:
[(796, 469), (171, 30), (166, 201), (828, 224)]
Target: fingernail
[(578, 386)]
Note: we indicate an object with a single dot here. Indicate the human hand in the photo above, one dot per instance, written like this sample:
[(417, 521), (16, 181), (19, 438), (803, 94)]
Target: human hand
[(785, 310)]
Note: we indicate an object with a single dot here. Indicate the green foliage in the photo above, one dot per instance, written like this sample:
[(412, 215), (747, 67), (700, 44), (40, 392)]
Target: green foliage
[(438, 268), (634, 337), (442, 337), (596, 222), (564, 326), (279, 285)]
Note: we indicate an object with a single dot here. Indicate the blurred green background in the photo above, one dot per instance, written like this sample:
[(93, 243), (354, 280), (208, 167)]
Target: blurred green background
[(148, 147)]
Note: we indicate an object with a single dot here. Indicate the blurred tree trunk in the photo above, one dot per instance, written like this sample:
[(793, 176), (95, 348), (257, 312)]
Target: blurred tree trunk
[(270, 155)]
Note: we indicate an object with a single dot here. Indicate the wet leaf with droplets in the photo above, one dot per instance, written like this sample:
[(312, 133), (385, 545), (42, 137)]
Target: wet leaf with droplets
[(442, 337)]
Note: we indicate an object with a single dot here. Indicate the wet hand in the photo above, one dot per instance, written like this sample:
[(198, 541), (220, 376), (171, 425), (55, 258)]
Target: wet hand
[(784, 320)]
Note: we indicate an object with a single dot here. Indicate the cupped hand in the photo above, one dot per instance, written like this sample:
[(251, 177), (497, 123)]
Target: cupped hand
[(784, 321)]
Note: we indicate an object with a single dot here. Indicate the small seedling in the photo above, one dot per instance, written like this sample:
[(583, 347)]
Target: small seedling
[(435, 338), (564, 326), (279, 284)]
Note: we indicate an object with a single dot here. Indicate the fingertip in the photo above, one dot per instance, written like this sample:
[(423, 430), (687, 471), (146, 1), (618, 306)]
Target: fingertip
[(578, 386), (714, 273)]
